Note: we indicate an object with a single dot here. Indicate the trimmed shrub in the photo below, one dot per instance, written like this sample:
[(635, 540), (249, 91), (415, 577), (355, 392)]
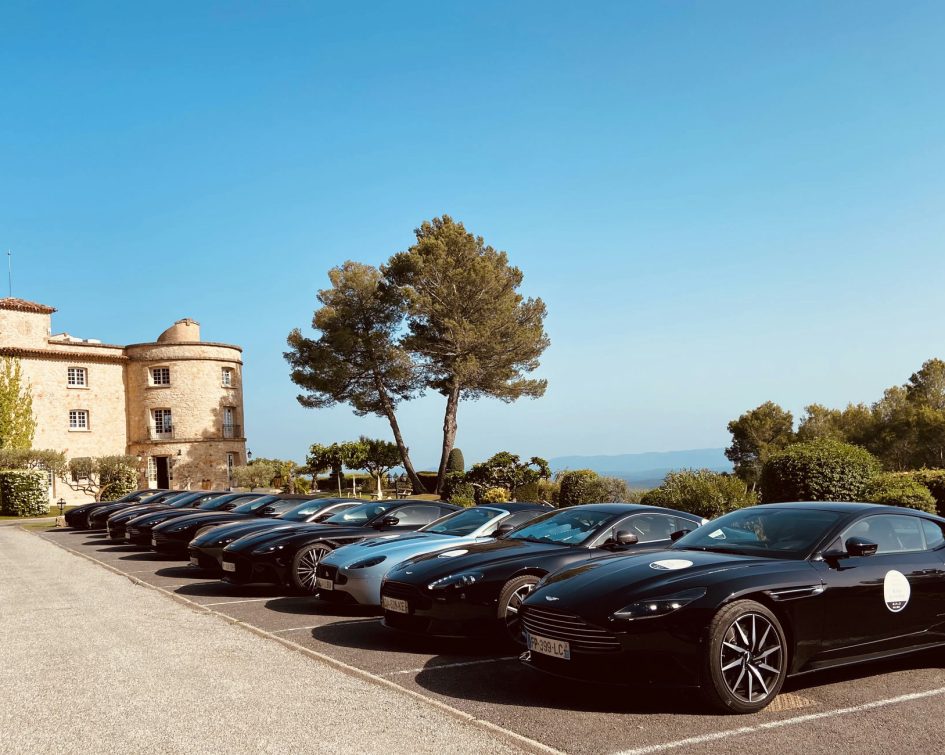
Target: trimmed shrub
[(527, 493), (548, 492), (457, 490), (934, 480), (822, 470), (117, 475), (24, 492), (495, 495), (455, 461), (701, 491), (577, 487), (894, 489), (429, 481)]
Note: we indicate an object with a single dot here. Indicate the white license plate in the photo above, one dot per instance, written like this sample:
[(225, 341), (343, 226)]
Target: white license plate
[(127, 536), (324, 584), (154, 541), (227, 566), (194, 561), (395, 605), (545, 646)]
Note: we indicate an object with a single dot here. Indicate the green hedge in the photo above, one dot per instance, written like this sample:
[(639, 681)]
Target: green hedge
[(701, 491), (429, 481), (822, 470), (900, 490), (934, 480), (577, 487), (24, 492)]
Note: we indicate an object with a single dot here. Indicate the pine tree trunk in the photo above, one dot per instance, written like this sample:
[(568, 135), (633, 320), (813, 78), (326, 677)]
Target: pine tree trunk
[(449, 432), (388, 406)]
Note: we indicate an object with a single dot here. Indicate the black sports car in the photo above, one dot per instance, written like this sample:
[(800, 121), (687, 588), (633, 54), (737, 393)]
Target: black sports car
[(174, 536), (78, 517), (206, 549), (138, 530), (115, 524), (477, 589), (290, 556), (98, 517), (745, 601)]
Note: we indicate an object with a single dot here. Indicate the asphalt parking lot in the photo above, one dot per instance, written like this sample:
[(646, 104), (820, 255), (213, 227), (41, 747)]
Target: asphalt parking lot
[(895, 705)]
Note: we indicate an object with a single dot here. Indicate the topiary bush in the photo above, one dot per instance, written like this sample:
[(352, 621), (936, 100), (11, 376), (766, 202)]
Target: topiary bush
[(495, 495), (822, 470), (701, 491), (24, 492), (578, 486), (894, 489), (934, 480), (455, 461), (429, 481), (117, 475)]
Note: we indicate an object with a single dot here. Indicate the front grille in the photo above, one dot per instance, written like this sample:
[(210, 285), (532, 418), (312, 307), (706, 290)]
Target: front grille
[(572, 629), (327, 572), (414, 597)]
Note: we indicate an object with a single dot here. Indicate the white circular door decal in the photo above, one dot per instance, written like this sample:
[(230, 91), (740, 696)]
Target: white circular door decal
[(896, 591), (671, 564)]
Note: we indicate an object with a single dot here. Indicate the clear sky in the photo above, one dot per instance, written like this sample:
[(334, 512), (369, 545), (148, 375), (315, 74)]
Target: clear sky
[(720, 202)]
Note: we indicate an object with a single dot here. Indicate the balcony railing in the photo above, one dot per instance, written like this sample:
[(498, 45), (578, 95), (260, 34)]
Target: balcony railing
[(165, 432), (232, 431)]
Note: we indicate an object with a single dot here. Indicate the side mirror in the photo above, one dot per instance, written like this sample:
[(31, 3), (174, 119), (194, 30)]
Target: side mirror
[(387, 521), (858, 546), (678, 534), (503, 529), (622, 537)]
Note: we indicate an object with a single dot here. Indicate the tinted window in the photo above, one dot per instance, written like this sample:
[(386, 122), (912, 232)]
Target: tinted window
[(568, 527), (253, 504), (893, 533), (360, 514), (933, 534), (515, 520), (766, 531), (462, 522), (416, 516), (653, 528)]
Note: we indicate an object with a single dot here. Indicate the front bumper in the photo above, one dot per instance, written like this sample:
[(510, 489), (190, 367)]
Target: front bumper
[(248, 570), (138, 536), (169, 543), (360, 585), (450, 615), (208, 559)]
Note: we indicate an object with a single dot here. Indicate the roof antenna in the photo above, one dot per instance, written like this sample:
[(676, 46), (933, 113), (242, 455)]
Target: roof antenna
[(10, 271)]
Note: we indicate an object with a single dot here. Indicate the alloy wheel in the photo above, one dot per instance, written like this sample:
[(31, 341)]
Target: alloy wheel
[(308, 565), (751, 657), (513, 621)]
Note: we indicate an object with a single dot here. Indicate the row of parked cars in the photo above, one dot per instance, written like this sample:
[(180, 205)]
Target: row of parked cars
[(608, 592)]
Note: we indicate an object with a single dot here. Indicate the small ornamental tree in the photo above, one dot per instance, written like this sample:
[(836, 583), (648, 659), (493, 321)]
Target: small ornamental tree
[(892, 489), (104, 477), (822, 470), (376, 457), (259, 473), (507, 470), (455, 462), (577, 486), (334, 457), (701, 491), (17, 424)]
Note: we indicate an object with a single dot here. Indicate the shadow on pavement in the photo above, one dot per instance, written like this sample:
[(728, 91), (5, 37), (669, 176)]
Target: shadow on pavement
[(190, 572), (303, 605), (219, 589), (371, 635), (148, 556), (925, 660)]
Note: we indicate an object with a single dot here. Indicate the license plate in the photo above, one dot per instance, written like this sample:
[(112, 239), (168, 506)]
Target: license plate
[(154, 541), (324, 584), (127, 536), (554, 648), (395, 605), (227, 566), (194, 561)]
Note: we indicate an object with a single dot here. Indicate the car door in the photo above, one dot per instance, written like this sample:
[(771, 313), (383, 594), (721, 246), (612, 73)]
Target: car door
[(413, 517), (890, 600), (652, 529)]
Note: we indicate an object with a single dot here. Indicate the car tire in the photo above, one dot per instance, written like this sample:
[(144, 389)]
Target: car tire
[(746, 658), (304, 565), (510, 600)]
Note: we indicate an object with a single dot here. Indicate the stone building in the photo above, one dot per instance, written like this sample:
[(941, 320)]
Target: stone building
[(175, 404)]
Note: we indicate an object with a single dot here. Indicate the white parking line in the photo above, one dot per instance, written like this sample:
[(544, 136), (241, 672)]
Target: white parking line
[(452, 665), (719, 735), (231, 602)]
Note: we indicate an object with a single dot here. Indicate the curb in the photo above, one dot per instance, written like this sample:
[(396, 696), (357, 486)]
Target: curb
[(519, 740)]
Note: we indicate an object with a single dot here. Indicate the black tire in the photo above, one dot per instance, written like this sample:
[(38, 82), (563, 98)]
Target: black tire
[(304, 564), (510, 599), (746, 658)]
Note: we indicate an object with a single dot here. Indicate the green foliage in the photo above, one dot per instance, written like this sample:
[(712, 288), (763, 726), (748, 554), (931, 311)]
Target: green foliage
[(357, 359), (334, 457), (548, 491), (894, 489), (462, 494), (495, 495), (472, 332), (613, 490), (701, 491), (507, 470), (428, 481), (287, 475), (934, 480), (259, 473), (756, 435), (375, 456), (117, 475), (578, 486), (17, 424), (48, 460), (822, 470), (455, 462), (24, 492)]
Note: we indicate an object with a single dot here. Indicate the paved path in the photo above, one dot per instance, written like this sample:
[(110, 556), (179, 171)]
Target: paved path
[(94, 664)]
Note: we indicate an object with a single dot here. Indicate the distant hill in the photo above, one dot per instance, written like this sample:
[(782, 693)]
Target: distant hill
[(646, 470)]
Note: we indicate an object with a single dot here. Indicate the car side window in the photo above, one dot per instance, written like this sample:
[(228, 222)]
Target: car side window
[(934, 537), (893, 533), (512, 520), (410, 516), (651, 528)]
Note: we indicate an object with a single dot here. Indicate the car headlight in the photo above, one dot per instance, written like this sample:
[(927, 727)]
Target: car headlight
[(368, 562), (645, 609), (267, 549), (456, 580)]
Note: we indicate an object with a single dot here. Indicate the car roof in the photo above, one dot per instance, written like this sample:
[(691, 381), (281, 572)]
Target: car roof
[(841, 507), (514, 506), (616, 508)]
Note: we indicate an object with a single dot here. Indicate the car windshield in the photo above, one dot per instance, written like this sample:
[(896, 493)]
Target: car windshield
[(214, 504), (359, 514), (766, 531), (254, 503), (462, 522), (568, 527), (183, 501), (303, 511)]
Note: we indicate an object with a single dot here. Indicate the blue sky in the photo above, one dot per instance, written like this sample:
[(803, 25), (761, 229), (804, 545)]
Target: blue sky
[(721, 203)]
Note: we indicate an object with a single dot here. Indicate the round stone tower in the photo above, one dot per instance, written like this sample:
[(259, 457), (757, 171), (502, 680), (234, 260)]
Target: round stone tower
[(185, 399)]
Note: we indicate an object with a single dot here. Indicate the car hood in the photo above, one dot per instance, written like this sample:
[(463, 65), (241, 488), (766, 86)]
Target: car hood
[(611, 583), (203, 518), (256, 539), (473, 556), (153, 517), (394, 547), (237, 529), (125, 515)]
